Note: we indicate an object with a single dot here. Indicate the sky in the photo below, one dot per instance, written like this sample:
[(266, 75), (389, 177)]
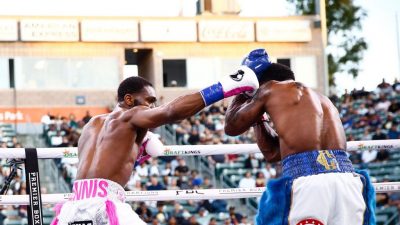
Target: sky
[(381, 60)]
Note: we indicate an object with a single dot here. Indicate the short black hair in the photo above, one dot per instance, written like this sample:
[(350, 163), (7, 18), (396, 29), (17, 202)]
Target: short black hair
[(278, 72), (131, 85)]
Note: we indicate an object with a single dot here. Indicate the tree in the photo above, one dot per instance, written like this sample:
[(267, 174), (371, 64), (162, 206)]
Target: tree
[(345, 46)]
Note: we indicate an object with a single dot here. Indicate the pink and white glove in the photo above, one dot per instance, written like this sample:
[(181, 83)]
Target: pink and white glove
[(244, 80), (151, 147)]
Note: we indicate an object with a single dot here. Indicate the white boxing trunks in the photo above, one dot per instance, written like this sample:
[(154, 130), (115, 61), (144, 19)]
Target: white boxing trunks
[(318, 188), (96, 202)]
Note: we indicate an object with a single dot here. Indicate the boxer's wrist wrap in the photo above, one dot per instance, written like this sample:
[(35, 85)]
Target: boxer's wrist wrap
[(212, 94)]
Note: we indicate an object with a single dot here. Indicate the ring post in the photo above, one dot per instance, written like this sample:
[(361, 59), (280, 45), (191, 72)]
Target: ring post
[(33, 187)]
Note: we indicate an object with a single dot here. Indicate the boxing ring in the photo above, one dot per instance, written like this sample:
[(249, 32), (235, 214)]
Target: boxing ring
[(35, 199)]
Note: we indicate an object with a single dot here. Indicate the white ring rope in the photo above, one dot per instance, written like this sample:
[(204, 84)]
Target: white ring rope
[(168, 195), (186, 150)]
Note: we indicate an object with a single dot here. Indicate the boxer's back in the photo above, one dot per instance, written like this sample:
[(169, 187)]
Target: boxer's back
[(107, 148), (303, 119)]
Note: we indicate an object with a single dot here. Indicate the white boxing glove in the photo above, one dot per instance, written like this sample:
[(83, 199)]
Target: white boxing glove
[(151, 147), (244, 80)]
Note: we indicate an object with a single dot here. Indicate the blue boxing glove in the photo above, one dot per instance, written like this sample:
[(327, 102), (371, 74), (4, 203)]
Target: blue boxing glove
[(257, 60)]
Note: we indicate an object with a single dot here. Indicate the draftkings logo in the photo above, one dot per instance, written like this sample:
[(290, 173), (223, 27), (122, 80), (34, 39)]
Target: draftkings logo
[(169, 152), (68, 154)]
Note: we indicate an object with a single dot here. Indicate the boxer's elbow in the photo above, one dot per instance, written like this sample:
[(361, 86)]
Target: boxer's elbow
[(231, 130)]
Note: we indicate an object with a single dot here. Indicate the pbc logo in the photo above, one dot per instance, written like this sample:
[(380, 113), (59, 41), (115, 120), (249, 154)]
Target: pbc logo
[(238, 76)]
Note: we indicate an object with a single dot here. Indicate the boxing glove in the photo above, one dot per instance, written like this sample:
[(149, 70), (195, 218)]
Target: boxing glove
[(244, 80), (258, 61), (151, 147)]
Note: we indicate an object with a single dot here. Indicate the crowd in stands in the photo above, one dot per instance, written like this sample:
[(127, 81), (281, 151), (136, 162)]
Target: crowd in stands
[(366, 115), (18, 185)]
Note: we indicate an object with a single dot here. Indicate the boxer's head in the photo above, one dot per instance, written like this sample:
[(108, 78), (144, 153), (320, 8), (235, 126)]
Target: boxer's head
[(278, 72), (134, 91)]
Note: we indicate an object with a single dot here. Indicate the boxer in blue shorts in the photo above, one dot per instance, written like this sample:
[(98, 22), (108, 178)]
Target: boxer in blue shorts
[(319, 184)]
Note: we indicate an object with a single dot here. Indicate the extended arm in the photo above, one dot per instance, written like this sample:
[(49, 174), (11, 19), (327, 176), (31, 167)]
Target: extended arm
[(178, 109)]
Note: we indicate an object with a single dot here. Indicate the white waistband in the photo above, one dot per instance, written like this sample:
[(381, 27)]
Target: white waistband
[(97, 188)]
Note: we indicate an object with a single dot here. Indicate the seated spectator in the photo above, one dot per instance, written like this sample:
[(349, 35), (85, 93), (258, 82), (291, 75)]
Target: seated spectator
[(87, 117), (251, 162), (203, 216), (161, 215), (177, 212), (195, 180), (379, 135), (260, 179), (269, 172), (393, 132), (172, 221), (247, 181), (192, 221), (182, 169), (144, 213), (142, 170), (383, 155), (213, 221), (206, 183), (154, 184), (244, 221), (368, 156), (154, 167), (234, 216), (56, 139), (167, 171)]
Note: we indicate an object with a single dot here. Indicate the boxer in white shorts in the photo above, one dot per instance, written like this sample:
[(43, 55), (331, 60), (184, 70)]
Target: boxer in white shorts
[(302, 128), (110, 144)]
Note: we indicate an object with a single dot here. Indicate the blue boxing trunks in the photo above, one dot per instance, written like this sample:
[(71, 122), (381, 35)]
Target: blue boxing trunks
[(318, 187)]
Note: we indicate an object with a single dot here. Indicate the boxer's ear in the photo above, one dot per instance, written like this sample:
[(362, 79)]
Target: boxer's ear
[(129, 100)]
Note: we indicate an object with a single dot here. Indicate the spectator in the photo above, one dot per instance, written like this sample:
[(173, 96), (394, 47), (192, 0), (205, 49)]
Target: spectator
[(393, 132), (182, 169), (195, 180), (247, 181), (269, 172), (154, 184), (161, 215), (142, 170), (369, 156), (260, 179), (213, 221), (203, 216), (234, 216), (251, 162), (167, 171), (193, 221), (172, 221), (154, 167), (87, 117), (379, 135), (144, 213)]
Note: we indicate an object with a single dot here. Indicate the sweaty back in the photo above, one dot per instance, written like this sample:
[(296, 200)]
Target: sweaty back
[(303, 119)]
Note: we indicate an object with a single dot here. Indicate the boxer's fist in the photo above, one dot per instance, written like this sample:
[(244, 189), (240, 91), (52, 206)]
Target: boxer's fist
[(151, 147), (243, 80)]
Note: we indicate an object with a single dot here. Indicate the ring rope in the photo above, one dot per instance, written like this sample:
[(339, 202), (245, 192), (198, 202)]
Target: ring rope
[(190, 150), (167, 195)]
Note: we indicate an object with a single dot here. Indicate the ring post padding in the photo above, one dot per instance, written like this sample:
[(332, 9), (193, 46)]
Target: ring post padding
[(35, 211)]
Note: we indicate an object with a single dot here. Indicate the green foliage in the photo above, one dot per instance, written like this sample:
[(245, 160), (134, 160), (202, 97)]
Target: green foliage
[(343, 19)]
